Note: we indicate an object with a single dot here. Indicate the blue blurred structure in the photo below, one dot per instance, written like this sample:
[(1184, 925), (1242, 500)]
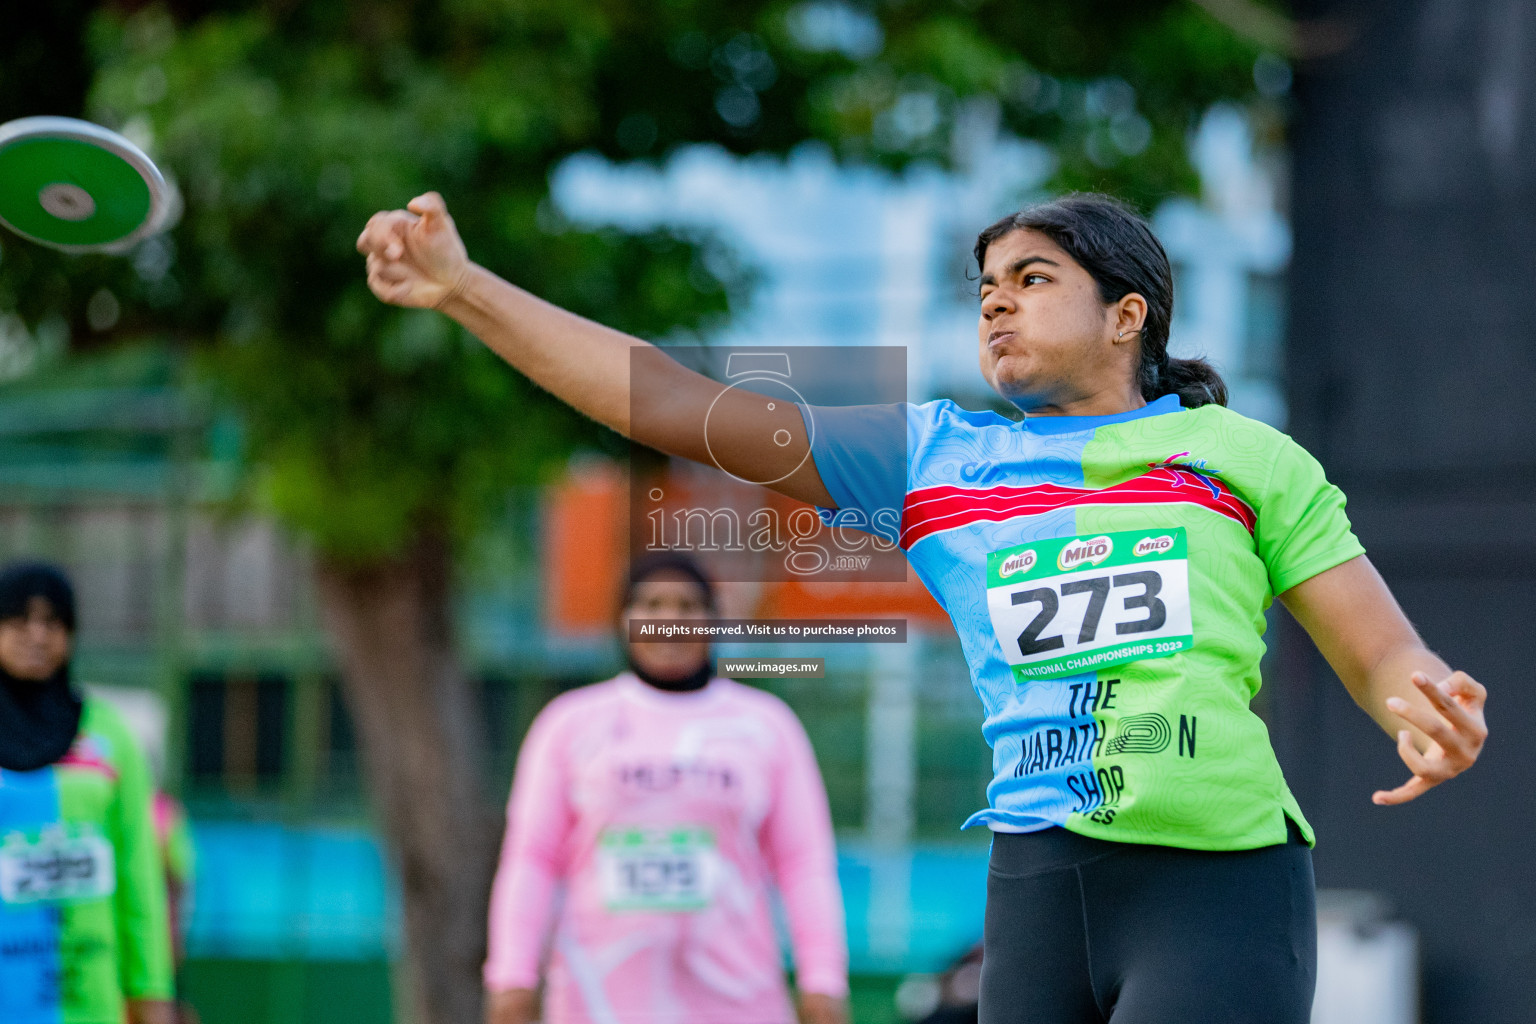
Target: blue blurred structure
[(276, 892)]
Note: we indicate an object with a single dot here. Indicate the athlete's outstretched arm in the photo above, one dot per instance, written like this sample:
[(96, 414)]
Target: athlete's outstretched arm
[(1436, 714), (415, 258)]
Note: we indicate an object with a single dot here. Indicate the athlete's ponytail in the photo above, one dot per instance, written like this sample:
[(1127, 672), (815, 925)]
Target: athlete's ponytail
[(1195, 381), (1122, 255)]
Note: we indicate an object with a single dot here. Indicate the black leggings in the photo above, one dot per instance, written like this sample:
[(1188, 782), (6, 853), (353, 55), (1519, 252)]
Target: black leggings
[(1081, 931)]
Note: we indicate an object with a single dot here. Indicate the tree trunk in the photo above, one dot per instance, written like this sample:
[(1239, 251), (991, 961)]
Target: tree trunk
[(422, 745)]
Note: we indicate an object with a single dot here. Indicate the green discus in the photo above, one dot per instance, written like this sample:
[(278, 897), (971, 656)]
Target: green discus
[(76, 186)]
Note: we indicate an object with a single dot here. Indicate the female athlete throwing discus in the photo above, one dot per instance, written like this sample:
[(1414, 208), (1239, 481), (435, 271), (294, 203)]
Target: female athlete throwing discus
[(665, 802), (1107, 570)]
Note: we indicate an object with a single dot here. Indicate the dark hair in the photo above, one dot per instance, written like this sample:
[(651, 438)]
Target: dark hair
[(1120, 252), (659, 563), (20, 582)]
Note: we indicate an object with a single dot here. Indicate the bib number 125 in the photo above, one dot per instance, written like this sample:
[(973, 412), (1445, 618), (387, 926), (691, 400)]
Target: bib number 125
[(658, 870), (1077, 604)]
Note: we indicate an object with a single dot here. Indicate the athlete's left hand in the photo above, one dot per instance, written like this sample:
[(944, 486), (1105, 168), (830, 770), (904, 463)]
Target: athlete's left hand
[(1455, 727), (819, 1009)]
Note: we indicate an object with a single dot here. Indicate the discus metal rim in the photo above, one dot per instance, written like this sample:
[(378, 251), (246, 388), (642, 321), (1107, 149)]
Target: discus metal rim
[(46, 127)]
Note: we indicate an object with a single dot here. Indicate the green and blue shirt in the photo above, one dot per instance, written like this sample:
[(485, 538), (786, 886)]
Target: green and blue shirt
[(82, 890), (1108, 577)]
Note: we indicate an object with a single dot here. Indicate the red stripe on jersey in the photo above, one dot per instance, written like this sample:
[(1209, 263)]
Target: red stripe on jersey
[(936, 509), (78, 758)]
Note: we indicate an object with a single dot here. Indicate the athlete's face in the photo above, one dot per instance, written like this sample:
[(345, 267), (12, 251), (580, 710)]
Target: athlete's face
[(35, 645), (1047, 342), (668, 596)]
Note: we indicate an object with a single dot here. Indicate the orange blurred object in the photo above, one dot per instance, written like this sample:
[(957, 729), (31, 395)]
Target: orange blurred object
[(587, 548), (584, 553)]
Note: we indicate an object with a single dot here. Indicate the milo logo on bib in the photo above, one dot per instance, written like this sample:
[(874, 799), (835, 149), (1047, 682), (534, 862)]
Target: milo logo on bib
[(1153, 546), (1084, 552), (1014, 564), (1077, 604)]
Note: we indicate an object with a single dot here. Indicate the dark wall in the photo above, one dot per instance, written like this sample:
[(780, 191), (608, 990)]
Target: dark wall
[(1412, 376)]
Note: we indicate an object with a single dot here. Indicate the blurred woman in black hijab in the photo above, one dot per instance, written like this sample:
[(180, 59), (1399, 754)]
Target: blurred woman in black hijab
[(90, 944), (39, 708)]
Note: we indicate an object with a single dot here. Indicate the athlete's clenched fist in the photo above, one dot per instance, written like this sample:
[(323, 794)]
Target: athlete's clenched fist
[(415, 255)]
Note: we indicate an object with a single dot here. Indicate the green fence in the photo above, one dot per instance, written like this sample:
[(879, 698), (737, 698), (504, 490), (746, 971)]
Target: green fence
[(273, 992)]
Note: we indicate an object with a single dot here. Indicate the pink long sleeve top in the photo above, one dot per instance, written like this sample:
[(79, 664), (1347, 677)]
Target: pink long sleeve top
[(664, 817)]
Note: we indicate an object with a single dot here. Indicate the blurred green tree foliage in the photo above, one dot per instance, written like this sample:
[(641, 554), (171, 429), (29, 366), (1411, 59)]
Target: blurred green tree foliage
[(384, 437), (287, 123)]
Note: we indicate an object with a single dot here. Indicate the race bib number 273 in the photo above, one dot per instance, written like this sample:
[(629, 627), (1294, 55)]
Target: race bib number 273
[(1079, 604)]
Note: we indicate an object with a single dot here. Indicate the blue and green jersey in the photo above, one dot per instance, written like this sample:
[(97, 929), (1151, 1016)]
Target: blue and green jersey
[(82, 891), (1108, 577)]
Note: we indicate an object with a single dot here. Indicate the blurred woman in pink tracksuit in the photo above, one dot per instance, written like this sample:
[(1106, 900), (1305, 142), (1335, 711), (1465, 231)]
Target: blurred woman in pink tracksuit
[(649, 816)]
